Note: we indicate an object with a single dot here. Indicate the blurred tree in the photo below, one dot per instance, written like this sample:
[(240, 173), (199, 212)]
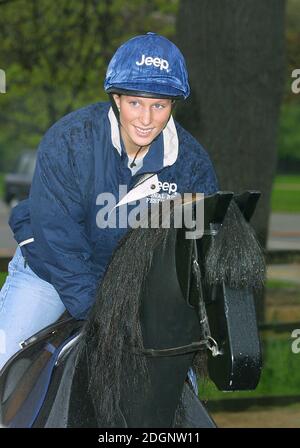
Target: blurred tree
[(289, 131), (292, 46), (235, 54), (55, 56), (293, 16)]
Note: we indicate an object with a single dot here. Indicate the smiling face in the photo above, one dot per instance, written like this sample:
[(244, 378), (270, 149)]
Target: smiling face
[(142, 119)]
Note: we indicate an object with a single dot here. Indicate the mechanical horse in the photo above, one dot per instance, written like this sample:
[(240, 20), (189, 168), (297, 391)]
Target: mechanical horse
[(173, 299)]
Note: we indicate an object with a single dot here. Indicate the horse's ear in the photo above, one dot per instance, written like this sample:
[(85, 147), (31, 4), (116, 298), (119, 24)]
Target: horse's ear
[(247, 202)]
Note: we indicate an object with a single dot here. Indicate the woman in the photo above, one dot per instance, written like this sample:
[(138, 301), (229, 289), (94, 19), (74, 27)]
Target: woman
[(131, 144)]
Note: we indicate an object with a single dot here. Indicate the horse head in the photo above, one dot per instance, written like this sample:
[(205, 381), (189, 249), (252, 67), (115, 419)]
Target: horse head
[(169, 301)]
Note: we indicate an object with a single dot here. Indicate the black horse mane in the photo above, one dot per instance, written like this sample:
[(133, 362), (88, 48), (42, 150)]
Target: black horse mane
[(113, 328)]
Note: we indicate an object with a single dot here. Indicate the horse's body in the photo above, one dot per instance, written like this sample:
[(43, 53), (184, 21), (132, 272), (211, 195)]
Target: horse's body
[(130, 365)]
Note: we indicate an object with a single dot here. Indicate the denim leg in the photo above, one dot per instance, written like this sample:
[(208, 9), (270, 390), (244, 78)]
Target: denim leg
[(27, 304)]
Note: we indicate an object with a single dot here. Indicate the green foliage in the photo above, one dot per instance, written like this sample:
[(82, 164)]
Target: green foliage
[(1, 185), (292, 46), (2, 278), (293, 15), (289, 131), (55, 56)]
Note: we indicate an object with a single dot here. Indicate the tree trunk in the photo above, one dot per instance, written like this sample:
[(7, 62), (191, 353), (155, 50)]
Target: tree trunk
[(235, 56)]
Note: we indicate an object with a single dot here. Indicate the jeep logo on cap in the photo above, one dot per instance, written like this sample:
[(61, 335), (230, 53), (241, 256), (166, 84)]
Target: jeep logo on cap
[(157, 62)]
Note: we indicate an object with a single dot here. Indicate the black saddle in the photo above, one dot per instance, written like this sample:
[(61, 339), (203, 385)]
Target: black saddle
[(25, 378)]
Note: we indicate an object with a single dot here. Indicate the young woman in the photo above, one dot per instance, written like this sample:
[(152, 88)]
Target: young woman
[(131, 144)]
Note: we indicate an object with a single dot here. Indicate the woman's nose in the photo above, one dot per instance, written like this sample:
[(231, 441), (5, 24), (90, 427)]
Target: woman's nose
[(145, 117)]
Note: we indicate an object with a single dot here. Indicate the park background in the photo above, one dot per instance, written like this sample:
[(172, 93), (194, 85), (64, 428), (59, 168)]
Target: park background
[(240, 56)]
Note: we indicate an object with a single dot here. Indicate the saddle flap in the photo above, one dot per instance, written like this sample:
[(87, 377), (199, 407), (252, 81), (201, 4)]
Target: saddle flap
[(26, 376)]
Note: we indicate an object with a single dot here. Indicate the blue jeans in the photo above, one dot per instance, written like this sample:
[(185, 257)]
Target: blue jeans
[(27, 305)]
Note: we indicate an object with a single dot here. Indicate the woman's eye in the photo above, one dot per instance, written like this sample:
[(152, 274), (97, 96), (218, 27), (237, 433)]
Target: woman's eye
[(159, 106)]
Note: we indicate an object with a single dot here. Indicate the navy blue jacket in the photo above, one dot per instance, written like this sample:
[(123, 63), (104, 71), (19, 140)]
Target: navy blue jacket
[(80, 157)]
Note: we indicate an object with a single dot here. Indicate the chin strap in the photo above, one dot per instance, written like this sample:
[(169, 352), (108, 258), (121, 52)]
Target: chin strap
[(114, 107), (133, 162)]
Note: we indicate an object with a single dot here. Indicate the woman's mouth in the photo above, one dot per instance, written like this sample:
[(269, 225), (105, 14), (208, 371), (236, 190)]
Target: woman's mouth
[(141, 132)]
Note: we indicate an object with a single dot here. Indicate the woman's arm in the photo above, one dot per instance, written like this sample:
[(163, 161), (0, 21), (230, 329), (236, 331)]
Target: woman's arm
[(57, 219)]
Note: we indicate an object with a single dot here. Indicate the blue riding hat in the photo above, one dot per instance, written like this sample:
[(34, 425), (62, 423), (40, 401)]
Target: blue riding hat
[(148, 65)]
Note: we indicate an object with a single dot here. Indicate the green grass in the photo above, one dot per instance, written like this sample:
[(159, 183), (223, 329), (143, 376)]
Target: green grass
[(286, 194), (280, 373), (287, 179), (281, 284), (2, 278), (287, 201)]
